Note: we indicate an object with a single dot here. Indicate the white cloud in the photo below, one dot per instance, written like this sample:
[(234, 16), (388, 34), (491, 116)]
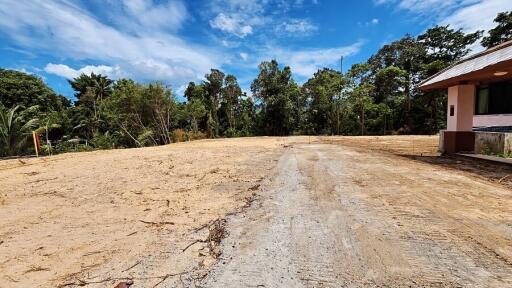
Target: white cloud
[(375, 21), (244, 56), (69, 31), (242, 18), (305, 63), (70, 73), (425, 6), (298, 26), (478, 16), (147, 15), (468, 15), (233, 24)]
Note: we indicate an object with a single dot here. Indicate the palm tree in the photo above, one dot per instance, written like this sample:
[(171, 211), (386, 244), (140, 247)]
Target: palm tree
[(14, 131), (50, 121)]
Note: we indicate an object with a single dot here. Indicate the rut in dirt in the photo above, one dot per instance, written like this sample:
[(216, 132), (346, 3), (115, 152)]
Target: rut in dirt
[(332, 216)]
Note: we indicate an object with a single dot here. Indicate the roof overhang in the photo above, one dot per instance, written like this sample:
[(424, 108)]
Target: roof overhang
[(479, 68)]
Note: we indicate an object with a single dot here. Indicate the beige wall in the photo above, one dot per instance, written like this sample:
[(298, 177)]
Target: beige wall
[(492, 120), (462, 97)]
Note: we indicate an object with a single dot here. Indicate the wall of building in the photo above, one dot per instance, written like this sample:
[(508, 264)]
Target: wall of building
[(492, 120), (462, 99)]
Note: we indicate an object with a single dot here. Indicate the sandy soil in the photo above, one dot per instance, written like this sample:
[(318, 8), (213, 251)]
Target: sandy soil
[(326, 212), (78, 218)]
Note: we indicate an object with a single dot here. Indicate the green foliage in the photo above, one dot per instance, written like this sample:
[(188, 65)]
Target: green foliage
[(501, 33), (447, 45), (104, 141), (15, 130), (25, 90), (323, 93), (276, 90), (507, 154)]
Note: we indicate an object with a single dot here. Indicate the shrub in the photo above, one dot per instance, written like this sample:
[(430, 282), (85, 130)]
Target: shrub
[(104, 141), (191, 135), (178, 135)]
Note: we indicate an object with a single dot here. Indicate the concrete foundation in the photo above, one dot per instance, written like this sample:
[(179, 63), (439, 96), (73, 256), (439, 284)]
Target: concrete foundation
[(456, 141), (493, 142)]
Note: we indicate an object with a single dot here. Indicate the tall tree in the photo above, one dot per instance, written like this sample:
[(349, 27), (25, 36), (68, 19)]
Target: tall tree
[(322, 92), (447, 45), (501, 33), (231, 95), (99, 85), (91, 90), (25, 90), (213, 86), (271, 87)]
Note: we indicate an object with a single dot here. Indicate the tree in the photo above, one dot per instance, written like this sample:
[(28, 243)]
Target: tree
[(90, 90), (195, 110), (213, 86), (15, 130), (50, 120), (323, 91), (231, 96), (447, 45), (144, 114), (501, 33), (271, 87), (246, 117), (361, 103), (25, 90)]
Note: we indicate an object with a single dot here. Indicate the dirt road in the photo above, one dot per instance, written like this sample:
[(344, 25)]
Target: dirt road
[(300, 211), (335, 216)]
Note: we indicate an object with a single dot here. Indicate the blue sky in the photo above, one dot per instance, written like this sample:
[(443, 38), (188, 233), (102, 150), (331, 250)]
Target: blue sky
[(179, 41)]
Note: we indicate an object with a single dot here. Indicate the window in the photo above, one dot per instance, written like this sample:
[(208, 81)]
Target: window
[(452, 110), (495, 98)]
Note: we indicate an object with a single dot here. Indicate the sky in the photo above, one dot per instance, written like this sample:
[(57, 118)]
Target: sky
[(177, 41)]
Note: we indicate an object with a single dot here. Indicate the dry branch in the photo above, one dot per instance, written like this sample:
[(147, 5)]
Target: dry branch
[(136, 263), (157, 223), (194, 242)]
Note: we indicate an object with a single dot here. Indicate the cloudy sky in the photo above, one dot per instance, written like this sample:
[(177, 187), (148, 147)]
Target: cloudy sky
[(177, 41)]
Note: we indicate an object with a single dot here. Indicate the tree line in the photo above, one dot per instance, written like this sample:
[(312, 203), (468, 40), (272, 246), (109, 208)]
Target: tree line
[(376, 97)]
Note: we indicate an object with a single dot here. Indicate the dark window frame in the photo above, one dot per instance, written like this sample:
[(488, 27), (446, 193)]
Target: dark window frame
[(492, 104)]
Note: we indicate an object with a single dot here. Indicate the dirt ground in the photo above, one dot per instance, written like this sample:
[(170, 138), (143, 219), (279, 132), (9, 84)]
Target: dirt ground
[(299, 211), (105, 216)]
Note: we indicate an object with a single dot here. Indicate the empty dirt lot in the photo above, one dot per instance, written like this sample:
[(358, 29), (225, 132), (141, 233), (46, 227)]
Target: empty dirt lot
[(299, 211)]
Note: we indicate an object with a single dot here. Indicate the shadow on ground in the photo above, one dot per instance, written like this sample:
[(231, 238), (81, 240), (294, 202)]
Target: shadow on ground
[(494, 172)]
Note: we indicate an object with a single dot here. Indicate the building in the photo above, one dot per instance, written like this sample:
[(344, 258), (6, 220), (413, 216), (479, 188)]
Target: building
[(479, 102)]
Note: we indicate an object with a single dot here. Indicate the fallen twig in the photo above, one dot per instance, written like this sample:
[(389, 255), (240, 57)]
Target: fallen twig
[(205, 225), (194, 242), (92, 253), (157, 223), (36, 269), (133, 233), (136, 263)]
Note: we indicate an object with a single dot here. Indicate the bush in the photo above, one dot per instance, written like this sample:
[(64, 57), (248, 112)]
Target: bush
[(191, 135), (104, 141), (178, 135), (231, 132), (66, 146)]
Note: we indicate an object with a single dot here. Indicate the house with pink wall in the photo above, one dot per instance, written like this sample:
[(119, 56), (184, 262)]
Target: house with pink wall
[(479, 112)]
